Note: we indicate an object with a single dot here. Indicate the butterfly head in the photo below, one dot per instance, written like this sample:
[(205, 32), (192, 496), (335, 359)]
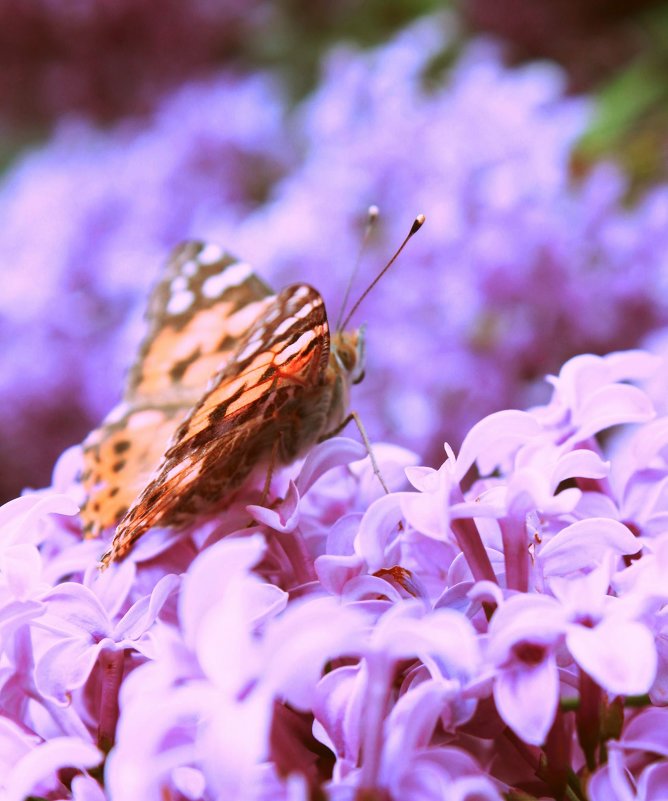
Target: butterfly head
[(348, 353)]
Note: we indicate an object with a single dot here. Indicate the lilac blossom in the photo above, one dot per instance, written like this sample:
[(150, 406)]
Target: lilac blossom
[(637, 769), (499, 280), (476, 637), (30, 767)]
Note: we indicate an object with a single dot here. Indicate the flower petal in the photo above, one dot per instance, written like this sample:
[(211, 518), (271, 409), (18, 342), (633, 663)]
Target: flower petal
[(610, 406), (20, 518), (581, 544), (42, 763), (494, 439), (285, 517), (648, 731), (298, 637), (334, 572), (210, 574), (331, 453), (527, 699), (143, 613), (21, 567), (85, 788), (619, 655), (66, 666), (377, 530), (78, 609)]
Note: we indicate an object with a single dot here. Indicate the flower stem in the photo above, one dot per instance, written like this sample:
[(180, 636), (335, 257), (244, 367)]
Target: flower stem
[(298, 555), (468, 539), (377, 696), (588, 718), (558, 756), (515, 553), (111, 663)]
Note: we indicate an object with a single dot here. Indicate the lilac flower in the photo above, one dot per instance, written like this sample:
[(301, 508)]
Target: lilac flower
[(524, 637), (215, 720), (530, 635), (444, 642), (475, 639), (24, 524), (642, 778), (589, 395), (84, 621), (638, 479), (29, 767)]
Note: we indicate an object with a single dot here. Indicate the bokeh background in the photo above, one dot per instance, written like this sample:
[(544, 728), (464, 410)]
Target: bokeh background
[(532, 135)]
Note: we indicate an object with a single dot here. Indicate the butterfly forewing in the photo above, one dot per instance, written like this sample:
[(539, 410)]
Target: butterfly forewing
[(271, 400), (204, 302)]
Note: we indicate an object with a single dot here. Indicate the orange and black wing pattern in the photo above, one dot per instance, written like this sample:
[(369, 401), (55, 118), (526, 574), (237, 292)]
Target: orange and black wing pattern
[(204, 302), (269, 401)]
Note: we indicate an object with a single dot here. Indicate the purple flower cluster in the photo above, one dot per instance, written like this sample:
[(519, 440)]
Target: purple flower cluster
[(499, 627), (498, 286)]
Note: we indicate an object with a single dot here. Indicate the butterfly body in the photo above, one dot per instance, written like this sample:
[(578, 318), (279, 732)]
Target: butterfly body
[(228, 378)]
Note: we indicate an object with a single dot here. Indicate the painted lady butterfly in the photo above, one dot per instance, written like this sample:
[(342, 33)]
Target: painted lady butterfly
[(228, 377)]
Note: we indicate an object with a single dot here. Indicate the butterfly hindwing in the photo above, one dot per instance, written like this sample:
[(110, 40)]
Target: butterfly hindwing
[(118, 458), (268, 400), (203, 303)]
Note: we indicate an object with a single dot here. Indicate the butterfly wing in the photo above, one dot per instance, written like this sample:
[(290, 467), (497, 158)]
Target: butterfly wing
[(270, 398), (205, 301)]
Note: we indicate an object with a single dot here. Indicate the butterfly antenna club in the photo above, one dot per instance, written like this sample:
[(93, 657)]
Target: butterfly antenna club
[(372, 215), (417, 224)]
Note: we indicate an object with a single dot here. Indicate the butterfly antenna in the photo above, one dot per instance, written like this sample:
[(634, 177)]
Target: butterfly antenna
[(417, 224), (372, 216)]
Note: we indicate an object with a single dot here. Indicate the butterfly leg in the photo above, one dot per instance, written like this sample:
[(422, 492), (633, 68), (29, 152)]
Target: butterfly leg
[(270, 472), (367, 444)]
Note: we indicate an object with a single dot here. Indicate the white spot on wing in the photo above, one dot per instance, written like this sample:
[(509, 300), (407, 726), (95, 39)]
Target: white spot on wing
[(272, 315), (210, 254), (117, 413), (302, 292), (179, 284), (236, 274), (189, 467), (180, 302), (307, 309), (253, 346), (289, 321), (189, 268), (297, 346), (239, 323)]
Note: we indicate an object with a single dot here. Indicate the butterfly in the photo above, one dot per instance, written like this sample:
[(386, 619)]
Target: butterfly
[(228, 377)]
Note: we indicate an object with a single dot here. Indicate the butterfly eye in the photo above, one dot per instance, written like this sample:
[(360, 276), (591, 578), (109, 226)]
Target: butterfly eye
[(347, 357)]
